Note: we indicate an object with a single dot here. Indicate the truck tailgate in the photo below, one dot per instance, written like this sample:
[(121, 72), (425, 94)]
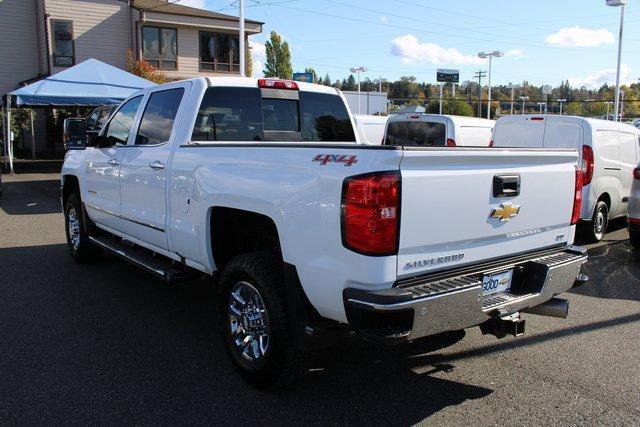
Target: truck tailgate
[(450, 216)]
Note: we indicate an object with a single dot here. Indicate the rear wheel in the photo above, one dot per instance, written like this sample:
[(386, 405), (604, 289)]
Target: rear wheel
[(78, 242), (597, 228), (254, 321)]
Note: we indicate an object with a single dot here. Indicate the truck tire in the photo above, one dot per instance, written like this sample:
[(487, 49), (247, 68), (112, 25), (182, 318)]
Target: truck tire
[(254, 321), (595, 230), (78, 242)]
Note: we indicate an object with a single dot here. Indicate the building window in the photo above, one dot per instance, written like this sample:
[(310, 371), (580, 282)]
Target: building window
[(160, 47), (63, 52), (219, 52)]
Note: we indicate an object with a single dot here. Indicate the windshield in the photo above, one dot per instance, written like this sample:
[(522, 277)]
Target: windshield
[(416, 134)]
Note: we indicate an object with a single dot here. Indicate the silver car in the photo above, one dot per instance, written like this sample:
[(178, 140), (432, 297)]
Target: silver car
[(634, 210)]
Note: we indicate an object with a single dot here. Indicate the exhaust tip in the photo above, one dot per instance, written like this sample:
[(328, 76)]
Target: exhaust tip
[(555, 307)]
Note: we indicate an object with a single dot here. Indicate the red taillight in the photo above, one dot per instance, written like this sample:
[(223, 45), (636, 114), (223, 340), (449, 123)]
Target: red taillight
[(577, 198), (491, 143), (277, 84), (587, 164), (634, 221), (636, 173), (370, 213), (451, 142), (537, 119)]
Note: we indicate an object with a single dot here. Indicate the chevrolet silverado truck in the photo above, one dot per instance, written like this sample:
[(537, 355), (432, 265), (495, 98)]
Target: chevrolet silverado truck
[(263, 186)]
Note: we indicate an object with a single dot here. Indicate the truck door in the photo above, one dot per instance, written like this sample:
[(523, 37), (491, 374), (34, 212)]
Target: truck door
[(102, 167), (143, 173)]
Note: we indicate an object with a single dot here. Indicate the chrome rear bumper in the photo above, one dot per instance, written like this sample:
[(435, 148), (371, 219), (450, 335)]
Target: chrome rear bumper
[(434, 305)]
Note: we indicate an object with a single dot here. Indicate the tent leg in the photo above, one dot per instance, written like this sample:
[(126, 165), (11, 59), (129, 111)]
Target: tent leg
[(33, 137), (9, 138), (4, 137)]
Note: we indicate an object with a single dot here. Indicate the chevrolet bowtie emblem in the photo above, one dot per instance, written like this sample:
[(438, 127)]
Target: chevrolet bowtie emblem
[(505, 211)]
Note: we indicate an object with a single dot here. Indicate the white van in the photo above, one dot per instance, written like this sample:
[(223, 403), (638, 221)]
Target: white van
[(609, 151), (370, 128), (427, 130)]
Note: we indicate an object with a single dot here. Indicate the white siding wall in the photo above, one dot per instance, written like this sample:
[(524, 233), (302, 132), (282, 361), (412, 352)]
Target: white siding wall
[(18, 43), (100, 29)]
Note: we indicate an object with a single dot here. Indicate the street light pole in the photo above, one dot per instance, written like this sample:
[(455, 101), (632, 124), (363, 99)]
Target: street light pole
[(490, 55), (358, 70), (616, 105), (479, 75), (242, 58)]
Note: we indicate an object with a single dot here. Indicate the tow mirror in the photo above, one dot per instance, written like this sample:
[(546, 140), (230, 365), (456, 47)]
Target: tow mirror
[(74, 133)]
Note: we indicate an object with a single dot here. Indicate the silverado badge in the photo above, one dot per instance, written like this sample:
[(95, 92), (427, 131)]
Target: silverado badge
[(505, 211)]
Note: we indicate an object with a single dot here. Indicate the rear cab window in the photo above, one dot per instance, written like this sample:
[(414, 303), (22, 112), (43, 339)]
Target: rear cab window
[(416, 134), (254, 114)]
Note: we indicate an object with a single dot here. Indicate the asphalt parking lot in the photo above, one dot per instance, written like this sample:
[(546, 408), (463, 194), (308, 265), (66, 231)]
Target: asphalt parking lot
[(105, 343)]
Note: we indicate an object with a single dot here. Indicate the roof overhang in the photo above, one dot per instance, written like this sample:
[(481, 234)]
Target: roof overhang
[(200, 22)]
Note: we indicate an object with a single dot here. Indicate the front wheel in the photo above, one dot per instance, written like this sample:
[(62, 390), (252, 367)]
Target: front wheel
[(254, 321), (78, 242)]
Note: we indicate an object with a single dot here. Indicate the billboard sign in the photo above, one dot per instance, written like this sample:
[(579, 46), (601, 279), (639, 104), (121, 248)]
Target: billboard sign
[(303, 77), (448, 76)]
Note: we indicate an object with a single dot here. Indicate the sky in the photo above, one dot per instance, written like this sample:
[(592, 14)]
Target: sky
[(544, 41)]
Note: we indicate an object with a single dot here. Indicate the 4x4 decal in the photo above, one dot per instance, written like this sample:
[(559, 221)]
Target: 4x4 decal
[(347, 159)]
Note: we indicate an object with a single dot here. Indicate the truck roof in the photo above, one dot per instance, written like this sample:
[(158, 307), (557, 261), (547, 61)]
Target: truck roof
[(461, 120), (589, 121)]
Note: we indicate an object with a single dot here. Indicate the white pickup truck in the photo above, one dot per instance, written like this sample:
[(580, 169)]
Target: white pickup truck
[(262, 185)]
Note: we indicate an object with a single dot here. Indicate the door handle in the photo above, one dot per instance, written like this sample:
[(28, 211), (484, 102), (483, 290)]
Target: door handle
[(113, 162), (156, 164)]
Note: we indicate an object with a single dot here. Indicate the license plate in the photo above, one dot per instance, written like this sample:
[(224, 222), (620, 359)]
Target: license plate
[(496, 283)]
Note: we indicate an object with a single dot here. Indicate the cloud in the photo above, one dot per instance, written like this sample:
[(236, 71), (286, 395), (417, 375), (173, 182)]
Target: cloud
[(514, 53), (601, 77), (383, 19), (411, 50), (258, 55), (580, 37)]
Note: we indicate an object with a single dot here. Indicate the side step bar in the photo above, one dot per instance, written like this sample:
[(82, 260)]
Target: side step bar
[(159, 267)]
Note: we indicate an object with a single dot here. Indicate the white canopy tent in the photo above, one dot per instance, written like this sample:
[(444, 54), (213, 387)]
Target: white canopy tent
[(90, 83)]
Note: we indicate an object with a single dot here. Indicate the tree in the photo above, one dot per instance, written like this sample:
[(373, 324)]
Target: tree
[(350, 83), (278, 62), (573, 109), (142, 68), (248, 62), (406, 89), (327, 80)]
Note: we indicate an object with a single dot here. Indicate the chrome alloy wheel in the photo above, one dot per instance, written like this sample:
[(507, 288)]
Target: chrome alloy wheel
[(73, 224), (248, 321), (600, 224)]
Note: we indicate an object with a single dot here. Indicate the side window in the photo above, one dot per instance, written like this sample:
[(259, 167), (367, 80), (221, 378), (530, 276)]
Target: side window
[(324, 117), (121, 123), (159, 115), (92, 121), (229, 114)]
